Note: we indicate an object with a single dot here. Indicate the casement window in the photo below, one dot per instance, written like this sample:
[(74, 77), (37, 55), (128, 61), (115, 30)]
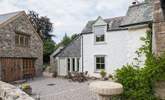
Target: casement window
[(99, 32), (73, 64), (100, 62), (22, 40), (68, 61), (78, 64)]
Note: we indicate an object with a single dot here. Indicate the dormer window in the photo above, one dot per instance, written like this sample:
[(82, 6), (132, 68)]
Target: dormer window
[(99, 32)]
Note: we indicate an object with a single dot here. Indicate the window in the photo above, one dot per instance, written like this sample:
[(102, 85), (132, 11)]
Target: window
[(73, 64), (100, 62), (99, 32), (100, 38), (68, 64), (78, 64), (22, 40)]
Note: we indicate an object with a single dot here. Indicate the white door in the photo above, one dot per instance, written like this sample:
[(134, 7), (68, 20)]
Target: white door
[(62, 67)]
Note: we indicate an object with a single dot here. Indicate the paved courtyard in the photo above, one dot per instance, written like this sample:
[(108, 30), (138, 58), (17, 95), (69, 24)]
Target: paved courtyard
[(61, 89)]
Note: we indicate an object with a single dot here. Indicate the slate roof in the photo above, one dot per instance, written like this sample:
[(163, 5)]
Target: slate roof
[(71, 50), (113, 24), (140, 13), (5, 17), (136, 14)]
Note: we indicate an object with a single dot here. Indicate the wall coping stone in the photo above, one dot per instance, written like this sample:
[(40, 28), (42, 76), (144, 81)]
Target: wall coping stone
[(11, 92)]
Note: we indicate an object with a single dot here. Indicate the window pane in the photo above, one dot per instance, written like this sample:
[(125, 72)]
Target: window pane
[(68, 64), (97, 39), (26, 41), (21, 40), (102, 38), (97, 66), (73, 64), (78, 64), (102, 59), (102, 66), (99, 30), (97, 60)]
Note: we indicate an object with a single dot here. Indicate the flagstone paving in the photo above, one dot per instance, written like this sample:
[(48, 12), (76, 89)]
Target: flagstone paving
[(61, 89)]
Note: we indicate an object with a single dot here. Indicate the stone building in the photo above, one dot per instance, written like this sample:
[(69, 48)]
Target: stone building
[(159, 26), (21, 48)]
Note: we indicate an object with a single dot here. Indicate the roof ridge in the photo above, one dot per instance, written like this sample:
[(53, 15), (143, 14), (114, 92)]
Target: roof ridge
[(11, 12)]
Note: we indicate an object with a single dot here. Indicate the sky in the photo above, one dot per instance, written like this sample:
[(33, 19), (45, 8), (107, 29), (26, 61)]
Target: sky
[(68, 16)]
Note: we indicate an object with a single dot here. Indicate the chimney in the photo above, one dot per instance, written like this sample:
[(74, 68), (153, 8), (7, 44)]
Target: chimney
[(158, 27)]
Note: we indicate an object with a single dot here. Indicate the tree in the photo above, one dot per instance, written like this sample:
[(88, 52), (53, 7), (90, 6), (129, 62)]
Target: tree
[(43, 27), (42, 24), (66, 40), (49, 47)]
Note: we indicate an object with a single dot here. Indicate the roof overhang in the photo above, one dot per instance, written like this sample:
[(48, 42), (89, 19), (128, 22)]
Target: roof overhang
[(134, 24)]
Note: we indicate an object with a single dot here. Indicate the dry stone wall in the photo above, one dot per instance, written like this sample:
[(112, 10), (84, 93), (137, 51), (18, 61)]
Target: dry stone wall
[(10, 92)]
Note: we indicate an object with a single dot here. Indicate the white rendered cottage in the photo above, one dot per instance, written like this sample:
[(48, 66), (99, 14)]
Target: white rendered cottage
[(106, 43)]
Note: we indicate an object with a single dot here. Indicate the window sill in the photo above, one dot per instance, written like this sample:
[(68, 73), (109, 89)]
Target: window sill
[(98, 71), (100, 43)]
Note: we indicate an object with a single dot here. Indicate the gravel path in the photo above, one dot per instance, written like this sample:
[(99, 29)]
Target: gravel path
[(61, 89)]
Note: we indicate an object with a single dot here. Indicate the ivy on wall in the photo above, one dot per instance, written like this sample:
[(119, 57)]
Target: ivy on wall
[(139, 82)]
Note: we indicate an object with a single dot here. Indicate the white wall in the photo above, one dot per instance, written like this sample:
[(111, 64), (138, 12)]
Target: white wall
[(119, 49), (62, 66)]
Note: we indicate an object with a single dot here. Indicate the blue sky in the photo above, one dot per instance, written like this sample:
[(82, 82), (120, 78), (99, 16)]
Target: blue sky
[(68, 16)]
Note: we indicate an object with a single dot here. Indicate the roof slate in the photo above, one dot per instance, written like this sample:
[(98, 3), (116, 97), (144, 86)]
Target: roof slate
[(138, 14), (71, 50), (113, 24)]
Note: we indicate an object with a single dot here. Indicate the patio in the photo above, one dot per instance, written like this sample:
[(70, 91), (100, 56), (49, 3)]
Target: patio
[(61, 89)]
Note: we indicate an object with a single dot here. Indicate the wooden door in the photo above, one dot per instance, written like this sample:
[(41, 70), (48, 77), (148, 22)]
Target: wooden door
[(28, 67), (10, 69)]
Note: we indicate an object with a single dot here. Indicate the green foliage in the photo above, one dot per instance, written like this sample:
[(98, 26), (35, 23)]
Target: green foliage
[(139, 82), (42, 24), (49, 47), (103, 73), (66, 40), (44, 27)]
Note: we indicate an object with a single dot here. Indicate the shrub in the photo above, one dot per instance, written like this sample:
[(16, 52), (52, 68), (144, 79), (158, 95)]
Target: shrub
[(103, 73), (136, 86)]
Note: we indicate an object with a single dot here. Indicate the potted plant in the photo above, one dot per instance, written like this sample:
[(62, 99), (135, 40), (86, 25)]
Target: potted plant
[(26, 88), (110, 76), (103, 74)]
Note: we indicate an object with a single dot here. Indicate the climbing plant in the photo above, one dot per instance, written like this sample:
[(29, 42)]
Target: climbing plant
[(139, 82)]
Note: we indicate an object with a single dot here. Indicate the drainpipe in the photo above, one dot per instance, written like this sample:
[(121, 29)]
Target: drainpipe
[(82, 55)]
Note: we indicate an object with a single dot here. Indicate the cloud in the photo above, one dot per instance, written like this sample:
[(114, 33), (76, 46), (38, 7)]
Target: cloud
[(68, 16)]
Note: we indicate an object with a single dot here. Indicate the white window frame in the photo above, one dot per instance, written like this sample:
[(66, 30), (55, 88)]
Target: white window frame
[(98, 70), (95, 34)]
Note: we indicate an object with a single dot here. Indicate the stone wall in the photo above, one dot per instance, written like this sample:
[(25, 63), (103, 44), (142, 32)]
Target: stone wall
[(10, 92), (159, 36), (7, 41), (159, 28)]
